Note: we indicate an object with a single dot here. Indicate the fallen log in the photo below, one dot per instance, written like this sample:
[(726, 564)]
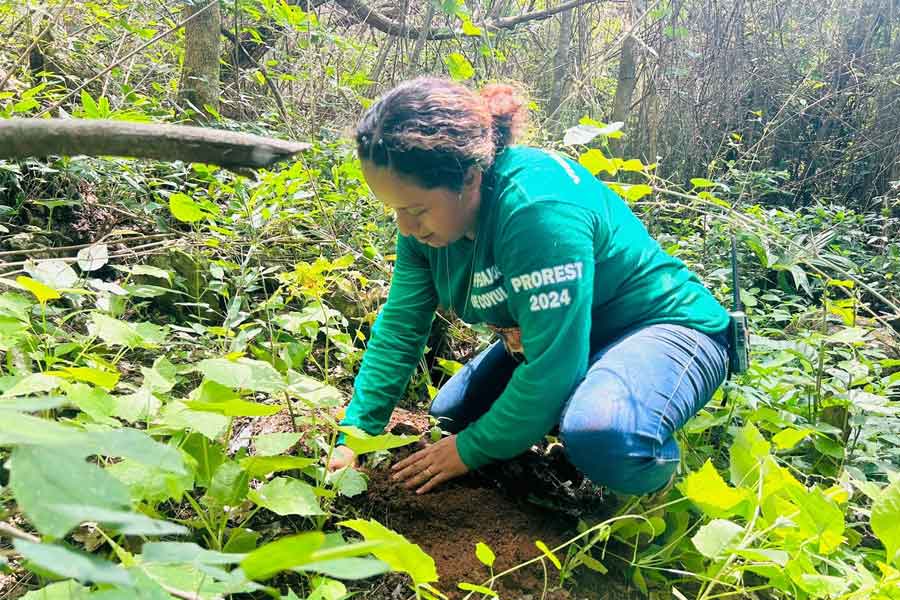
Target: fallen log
[(25, 138)]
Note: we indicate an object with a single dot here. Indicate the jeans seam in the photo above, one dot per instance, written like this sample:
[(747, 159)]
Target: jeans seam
[(668, 403)]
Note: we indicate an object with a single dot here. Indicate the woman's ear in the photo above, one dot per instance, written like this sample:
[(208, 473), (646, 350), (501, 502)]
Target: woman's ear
[(473, 177)]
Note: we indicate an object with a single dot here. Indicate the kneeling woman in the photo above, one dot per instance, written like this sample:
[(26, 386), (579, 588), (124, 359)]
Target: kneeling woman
[(604, 334)]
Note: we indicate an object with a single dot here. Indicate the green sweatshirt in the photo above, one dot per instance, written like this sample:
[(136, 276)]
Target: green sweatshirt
[(557, 255)]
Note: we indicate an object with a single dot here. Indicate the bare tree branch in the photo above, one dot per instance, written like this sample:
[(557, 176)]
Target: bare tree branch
[(365, 14), (21, 138)]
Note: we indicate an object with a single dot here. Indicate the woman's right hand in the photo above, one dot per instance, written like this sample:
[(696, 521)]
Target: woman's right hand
[(341, 457)]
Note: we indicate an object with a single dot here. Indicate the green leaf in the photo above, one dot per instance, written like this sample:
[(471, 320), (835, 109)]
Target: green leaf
[(260, 466), (699, 182), (823, 586), (151, 271), (42, 292), (313, 392), (469, 28), (885, 521), (161, 378), (401, 554), (272, 444), (89, 106), (747, 452), (361, 442), (35, 383), (43, 477), (760, 555), (346, 568), (548, 553), (185, 209), (593, 564), (207, 454), (485, 554), (63, 590), (54, 273), (347, 481), (64, 562), (711, 494), (328, 589), (244, 373), (186, 552), (790, 437), (104, 379), (286, 496), (177, 416), (594, 161), (282, 554), (128, 523), (471, 587), (715, 537), (236, 408), (459, 66), (150, 484), (819, 519), (229, 485), (142, 405), (120, 333)]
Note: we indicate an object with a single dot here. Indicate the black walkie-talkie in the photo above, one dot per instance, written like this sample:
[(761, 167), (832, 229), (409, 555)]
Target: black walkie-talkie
[(739, 331)]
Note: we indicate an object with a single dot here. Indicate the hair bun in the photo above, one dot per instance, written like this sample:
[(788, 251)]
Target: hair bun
[(508, 112)]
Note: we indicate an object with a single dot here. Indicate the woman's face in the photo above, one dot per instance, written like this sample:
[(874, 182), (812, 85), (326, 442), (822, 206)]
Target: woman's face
[(437, 217)]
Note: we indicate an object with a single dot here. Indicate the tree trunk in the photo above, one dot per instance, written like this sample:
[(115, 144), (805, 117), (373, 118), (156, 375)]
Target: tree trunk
[(560, 66), (199, 85)]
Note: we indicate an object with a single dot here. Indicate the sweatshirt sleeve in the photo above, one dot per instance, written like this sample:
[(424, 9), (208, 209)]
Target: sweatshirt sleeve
[(547, 258), (397, 341)]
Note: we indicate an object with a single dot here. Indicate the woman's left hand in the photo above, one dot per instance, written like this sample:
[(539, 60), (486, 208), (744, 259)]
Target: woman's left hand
[(428, 468)]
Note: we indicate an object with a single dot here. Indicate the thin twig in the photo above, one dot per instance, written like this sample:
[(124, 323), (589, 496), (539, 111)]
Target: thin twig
[(14, 532)]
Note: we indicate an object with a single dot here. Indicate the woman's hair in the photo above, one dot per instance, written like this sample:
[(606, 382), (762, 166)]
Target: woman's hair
[(433, 130)]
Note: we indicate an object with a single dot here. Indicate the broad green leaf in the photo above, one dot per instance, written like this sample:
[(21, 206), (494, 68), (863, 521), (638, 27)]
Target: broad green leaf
[(36, 383), (885, 521), (104, 379), (790, 437), (133, 444), (160, 378), (285, 553), (820, 518), (64, 562), (715, 537), (469, 28), (21, 429), (485, 554), (747, 452), (633, 165), (459, 66), (210, 391), (151, 271), (272, 444), (236, 408), (328, 589), (347, 481), (244, 373), (699, 182), (633, 193), (190, 578), (43, 477), (711, 494), (185, 209), (286, 496), (760, 555), (42, 292), (207, 454), (186, 552), (121, 333), (177, 416), (260, 466), (313, 391), (229, 485), (122, 521), (401, 554), (93, 257), (849, 335), (63, 590), (361, 442), (150, 484), (142, 405), (346, 568), (824, 586), (480, 589), (592, 563), (594, 161), (29, 404)]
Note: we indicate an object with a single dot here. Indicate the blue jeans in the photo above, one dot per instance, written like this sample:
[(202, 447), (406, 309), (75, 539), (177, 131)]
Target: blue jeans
[(618, 426)]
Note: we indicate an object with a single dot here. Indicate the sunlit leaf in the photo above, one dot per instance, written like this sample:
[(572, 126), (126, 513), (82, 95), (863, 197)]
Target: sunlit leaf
[(459, 66), (287, 496), (361, 442), (714, 538), (885, 520), (399, 553), (185, 209), (64, 562), (243, 373), (711, 494), (93, 257), (42, 292)]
